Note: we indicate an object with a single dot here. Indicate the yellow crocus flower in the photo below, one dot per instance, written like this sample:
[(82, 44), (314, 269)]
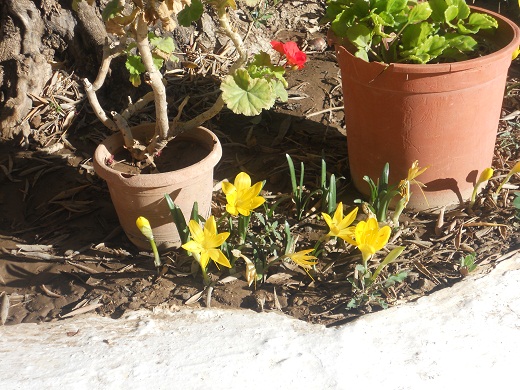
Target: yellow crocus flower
[(485, 175), (303, 259), (205, 243), (241, 196), (144, 227), (369, 238), (339, 225), (404, 185), (517, 51), (515, 169)]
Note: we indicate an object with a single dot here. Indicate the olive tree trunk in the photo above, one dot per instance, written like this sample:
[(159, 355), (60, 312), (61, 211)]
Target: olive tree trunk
[(33, 34)]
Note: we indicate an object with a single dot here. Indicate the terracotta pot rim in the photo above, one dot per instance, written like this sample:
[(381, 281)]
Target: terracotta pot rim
[(201, 134), (451, 66)]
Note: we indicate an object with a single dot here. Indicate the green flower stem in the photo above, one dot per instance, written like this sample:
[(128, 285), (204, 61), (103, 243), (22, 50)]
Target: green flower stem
[(506, 179), (157, 258), (205, 276), (243, 224), (398, 211), (318, 244), (365, 261)]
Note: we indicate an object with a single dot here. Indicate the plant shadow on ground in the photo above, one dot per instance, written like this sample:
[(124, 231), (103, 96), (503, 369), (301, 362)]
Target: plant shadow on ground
[(63, 250)]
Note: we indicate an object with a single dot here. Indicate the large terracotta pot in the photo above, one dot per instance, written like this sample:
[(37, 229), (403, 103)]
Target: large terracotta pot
[(143, 195), (443, 115)]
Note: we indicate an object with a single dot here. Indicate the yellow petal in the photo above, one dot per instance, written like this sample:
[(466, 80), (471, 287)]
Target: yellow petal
[(257, 202), (192, 246), (485, 175), (338, 214), (366, 251), (204, 259), (361, 228), (196, 231), (303, 259), (244, 211), (516, 52), (255, 190), (347, 221), (242, 181), (219, 257), (328, 220), (210, 228), (382, 238), (349, 235), (217, 240), (228, 188), (231, 209)]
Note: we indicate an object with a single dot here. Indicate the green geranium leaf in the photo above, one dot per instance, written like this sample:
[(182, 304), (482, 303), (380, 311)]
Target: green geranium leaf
[(516, 202), (431, 48), (395, 6), (134, 65), (279, 90), (164, 44), (416, 34), (362, 53), (157, 61), (135, 79), (360, 35), (262, 59), (342, 22), (111, 10), (332, 11), (419, 13), (361, 8), (450, 14), (463, 8), (434, 46), (463, 43), (387, 19), (267, 72), (458, 46), (466, 28), (245, 95), (481, 21), (438, 8), (190, 13)]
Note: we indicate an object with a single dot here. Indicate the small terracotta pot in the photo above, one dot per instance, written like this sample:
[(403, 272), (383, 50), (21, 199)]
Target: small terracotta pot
[(143, 195), (443, 115)]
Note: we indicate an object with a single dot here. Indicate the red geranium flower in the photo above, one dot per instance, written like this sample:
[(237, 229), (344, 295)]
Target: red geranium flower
[(290, 50)]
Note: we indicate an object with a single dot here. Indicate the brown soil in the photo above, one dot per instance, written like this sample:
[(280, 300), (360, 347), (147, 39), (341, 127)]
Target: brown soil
[(62, 248)]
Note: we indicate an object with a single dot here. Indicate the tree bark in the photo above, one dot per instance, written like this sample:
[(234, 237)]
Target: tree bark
[(32, 35)]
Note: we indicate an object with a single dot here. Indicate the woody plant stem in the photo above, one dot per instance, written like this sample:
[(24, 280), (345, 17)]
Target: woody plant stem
[(165, 130)]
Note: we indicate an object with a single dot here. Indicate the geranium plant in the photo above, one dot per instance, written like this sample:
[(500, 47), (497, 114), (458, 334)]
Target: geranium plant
[(410, 31), (252, 85)]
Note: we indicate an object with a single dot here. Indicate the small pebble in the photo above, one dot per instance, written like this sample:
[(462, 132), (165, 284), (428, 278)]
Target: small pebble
[(317, 44)]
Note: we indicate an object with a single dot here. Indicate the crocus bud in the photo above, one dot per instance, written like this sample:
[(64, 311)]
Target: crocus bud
[(485, 175), (144, 226), (516, 168)]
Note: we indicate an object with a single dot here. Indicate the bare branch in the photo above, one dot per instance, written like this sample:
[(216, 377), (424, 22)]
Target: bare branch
[(100, 113), (161, 108)]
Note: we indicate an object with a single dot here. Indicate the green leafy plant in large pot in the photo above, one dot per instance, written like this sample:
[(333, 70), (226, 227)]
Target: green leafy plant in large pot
[(422, 80), (139, 30)]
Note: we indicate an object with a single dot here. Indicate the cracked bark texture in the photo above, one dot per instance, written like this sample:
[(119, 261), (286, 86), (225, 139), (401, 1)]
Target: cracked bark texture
[(32, 34)]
